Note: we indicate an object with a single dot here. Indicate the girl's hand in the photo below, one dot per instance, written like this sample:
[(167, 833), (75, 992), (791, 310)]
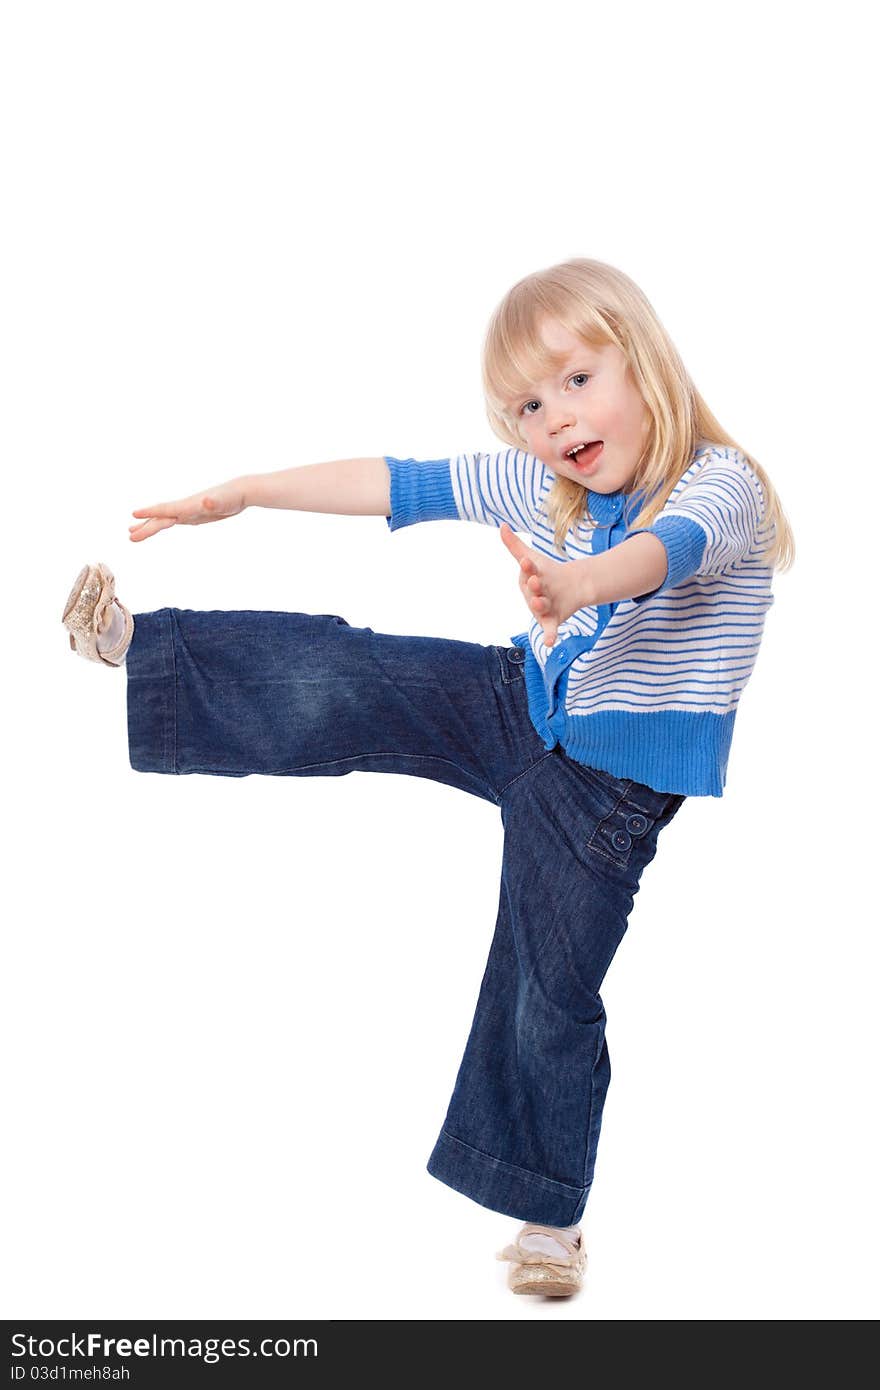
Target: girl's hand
[(550, 588), (228, 499)]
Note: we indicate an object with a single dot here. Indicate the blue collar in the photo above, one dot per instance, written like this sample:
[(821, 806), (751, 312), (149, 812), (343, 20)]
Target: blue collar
[(607, 508)]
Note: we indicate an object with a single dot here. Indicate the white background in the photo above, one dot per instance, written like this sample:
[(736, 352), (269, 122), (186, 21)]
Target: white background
[(241, 236)]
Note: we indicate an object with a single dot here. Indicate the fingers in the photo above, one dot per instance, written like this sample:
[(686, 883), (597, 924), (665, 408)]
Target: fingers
[(531, 584), (531, 589), (158, 509), (189, 511), (187, 508), (512, 541), (534, 595), (143, 529), (159, 522)]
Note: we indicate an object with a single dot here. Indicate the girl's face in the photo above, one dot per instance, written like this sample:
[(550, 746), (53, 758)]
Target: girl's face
[(591, 397)]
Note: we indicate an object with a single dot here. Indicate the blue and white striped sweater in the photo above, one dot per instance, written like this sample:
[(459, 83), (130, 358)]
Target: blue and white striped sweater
[(646, 688)]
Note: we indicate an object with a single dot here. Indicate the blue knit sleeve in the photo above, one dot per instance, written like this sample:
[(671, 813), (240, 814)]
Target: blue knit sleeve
[(488, 488), (420, 491), (685, 543)]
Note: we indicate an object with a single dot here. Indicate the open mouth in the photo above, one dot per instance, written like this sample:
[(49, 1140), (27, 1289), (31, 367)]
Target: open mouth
[(586, 455)]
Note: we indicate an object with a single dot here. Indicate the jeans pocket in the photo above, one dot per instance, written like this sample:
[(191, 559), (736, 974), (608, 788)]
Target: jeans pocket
[(512, 663)]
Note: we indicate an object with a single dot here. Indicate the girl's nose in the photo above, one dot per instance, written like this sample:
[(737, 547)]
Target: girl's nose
[(558, 417)]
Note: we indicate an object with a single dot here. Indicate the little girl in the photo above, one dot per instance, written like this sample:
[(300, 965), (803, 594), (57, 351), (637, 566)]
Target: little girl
[(654, 540)]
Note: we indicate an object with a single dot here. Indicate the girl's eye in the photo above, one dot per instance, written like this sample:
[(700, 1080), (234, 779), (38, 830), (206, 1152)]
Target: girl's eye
[(582, 376)]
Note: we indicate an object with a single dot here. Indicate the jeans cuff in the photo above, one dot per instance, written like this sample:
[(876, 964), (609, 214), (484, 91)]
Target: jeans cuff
[(152, 691), (502, 1187)]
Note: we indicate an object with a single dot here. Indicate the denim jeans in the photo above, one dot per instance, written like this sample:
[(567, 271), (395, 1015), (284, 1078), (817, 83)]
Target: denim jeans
[(229, 694)]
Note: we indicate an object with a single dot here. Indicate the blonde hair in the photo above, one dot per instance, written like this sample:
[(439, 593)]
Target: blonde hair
[(600, 304)]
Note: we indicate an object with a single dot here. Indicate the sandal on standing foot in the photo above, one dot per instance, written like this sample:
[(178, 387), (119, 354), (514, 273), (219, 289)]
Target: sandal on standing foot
[(93, 591), (535, 1271)]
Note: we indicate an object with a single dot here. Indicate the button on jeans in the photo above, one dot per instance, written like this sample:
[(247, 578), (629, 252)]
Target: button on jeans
[(230, 694)]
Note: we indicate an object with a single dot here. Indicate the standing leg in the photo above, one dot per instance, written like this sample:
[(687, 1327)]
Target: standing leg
[(522, 1127)]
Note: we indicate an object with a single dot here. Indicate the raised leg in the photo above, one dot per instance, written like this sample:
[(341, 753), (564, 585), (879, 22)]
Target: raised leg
[(307, 695)]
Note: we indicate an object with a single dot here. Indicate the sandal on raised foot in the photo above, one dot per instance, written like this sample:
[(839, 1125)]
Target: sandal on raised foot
[(93, 590), (535, 1271)]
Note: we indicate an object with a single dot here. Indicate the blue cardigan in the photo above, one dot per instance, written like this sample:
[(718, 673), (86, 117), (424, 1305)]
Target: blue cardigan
[(646, 688)]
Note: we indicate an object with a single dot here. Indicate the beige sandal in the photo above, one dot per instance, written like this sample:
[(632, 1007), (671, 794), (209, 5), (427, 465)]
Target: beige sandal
[(92, 592), (534, 1271)]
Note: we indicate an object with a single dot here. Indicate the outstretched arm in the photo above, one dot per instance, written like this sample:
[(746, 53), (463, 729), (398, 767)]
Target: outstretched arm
[(348, 487)]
